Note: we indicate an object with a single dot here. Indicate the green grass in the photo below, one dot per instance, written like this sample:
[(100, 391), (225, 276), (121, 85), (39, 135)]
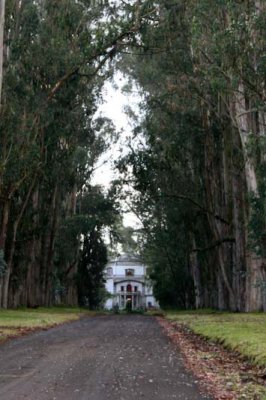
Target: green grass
[(243, 332), (17, 322)]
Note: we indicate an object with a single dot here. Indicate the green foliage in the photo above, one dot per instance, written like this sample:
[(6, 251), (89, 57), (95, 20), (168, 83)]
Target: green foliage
[(50, 140), (80, 249), (197, 64), (124, 236), (188, 180), (90, 271)]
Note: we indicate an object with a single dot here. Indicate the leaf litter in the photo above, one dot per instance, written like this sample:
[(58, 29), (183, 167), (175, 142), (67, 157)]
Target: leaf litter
[(222, 373)]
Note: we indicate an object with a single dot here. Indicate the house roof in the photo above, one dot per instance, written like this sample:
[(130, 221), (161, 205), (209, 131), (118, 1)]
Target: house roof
[(125, 258)]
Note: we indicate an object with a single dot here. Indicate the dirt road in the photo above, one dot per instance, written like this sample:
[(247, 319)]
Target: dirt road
[(97, 358)]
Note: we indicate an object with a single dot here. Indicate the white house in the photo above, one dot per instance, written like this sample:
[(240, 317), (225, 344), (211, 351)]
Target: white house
[(127, 281)]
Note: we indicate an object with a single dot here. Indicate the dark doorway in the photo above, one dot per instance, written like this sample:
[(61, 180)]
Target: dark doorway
[(129, 304)]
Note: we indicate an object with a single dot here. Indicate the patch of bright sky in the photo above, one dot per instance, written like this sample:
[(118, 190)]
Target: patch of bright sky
[(115, 100)]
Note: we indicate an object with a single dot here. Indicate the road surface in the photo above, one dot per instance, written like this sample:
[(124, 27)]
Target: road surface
[(119, 357)]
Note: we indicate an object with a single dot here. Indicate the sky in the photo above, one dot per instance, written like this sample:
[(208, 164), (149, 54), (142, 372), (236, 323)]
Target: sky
[(114, 102)]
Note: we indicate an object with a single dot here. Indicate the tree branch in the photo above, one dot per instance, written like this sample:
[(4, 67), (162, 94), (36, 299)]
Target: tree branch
[(183, 197), (215, 244)]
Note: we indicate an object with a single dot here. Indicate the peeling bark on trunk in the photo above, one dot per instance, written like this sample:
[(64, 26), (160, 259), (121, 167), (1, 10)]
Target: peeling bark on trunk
[(215, 192), (251, 123), (70, 296), (32, 297), (256, 278), (50, 241), (240, 110), (195, 272)]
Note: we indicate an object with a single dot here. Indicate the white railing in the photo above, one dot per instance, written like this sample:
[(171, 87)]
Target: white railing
[(127, 277), (128, 293)]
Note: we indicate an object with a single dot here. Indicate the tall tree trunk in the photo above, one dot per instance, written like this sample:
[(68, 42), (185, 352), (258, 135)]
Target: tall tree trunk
[(71, 296), (4, 223), (48, 249), (215, 192), (13, 244), (3, 234), (33, 271), (251, 122), (195, 272), (2, 23)]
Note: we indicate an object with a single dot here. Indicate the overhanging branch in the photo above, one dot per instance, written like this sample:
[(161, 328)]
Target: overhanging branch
[(215, 244), (205, 210)]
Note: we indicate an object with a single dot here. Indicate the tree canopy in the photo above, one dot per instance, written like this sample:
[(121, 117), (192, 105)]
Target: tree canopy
[(197, 178)]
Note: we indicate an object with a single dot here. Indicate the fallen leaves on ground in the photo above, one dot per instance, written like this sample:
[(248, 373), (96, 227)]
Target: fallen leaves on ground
[(221, 373), (13, 332)]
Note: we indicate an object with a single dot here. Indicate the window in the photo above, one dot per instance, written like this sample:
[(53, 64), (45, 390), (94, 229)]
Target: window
[(122, 288), (130, 272), (109, 271), (135, 289), (129, 288)]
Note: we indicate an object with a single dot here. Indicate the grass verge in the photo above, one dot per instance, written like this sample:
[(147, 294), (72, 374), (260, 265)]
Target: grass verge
[(241, 332), (18, 322)]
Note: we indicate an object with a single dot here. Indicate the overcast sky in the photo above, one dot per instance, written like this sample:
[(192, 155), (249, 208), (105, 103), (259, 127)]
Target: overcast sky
[(113, 107)]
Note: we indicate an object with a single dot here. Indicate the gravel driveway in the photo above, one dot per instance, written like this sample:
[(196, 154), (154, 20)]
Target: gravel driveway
[(119, 357)]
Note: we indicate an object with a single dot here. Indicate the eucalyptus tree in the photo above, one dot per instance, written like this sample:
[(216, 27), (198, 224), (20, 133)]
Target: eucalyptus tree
[(201, 68), (2, 23), (57, 58), (96, 212), (200, 178)]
